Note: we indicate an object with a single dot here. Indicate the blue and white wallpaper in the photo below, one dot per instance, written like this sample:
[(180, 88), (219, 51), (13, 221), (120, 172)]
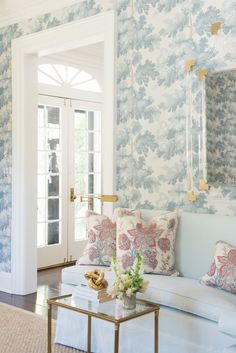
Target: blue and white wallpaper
[(155, 38), (221, 127)]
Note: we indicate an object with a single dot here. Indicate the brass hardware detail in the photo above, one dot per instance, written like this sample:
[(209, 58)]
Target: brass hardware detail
[(108, 198), (215, 27), (102, 198), (67, 102), (73, 197), (202, 73), (191, 196), (203, 185), (189, 65)]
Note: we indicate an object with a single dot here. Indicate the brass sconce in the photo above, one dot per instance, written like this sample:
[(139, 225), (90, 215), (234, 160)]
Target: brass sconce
[(215, 27), (189, 65), (102, 198), (201, 74)]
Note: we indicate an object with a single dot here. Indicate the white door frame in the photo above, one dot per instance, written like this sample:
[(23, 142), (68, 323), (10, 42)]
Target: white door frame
[(25, 52)]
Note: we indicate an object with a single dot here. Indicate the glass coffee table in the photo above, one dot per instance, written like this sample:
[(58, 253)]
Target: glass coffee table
[(111, 311)]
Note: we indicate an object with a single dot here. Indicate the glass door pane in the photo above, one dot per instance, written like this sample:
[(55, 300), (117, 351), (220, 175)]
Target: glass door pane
[(49, 175), (87, 165)]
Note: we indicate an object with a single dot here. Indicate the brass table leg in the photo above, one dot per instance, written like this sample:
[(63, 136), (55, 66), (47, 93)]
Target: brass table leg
[(156, 332), (116, 340), (89, 335), (49, 328)]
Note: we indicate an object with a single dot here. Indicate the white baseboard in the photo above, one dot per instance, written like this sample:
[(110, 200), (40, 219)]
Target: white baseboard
[(5, 282)]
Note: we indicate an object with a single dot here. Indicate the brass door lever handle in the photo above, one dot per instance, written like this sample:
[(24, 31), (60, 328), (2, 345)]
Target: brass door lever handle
[(73, 197)]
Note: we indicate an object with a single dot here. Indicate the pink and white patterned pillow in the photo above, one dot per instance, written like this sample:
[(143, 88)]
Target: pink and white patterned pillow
[(222, 273), (154, 240), (101, 241)]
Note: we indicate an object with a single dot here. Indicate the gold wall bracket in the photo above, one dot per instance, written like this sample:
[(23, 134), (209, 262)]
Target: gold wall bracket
[(191, 196), (202, 73), (215, 27), (189, 65), (203, 185)]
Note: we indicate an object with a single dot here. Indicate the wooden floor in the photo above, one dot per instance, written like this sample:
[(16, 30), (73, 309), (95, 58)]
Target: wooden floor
[(48, 286)]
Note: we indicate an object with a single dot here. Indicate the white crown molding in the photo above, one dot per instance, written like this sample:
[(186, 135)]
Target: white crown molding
[(39, 7)]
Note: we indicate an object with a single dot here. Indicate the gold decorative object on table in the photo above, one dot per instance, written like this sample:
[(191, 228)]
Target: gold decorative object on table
[(215, 27), (96, 279)]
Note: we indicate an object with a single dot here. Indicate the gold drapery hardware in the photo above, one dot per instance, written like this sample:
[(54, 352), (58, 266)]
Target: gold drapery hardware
[(189, 64), (215, 27), (72, 195), (191, 196), (202, 73), (203, 185)]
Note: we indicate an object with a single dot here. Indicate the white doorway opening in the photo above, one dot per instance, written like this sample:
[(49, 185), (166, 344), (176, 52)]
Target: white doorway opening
[(70, 123), (25, 53)]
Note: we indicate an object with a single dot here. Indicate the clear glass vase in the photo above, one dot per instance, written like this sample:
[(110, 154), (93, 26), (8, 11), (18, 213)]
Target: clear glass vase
[(129, 302)]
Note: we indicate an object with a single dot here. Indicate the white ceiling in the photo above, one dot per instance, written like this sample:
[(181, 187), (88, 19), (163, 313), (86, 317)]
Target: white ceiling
[(91, 55), (93, 50)]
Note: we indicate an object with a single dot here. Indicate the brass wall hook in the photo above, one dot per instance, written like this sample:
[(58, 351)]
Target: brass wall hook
[(215, 27), (203, 185), (191, 196), (202, 73), (189, 65)]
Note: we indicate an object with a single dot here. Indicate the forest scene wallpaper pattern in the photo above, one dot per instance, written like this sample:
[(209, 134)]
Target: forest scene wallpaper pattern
[(221, 127), (154, 40)]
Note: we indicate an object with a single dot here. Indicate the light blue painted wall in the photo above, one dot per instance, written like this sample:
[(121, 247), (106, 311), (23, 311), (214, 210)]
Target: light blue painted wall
[(155, 39)]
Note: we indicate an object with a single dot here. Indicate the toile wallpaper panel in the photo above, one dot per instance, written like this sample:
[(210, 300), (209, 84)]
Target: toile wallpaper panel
[(153, 41)]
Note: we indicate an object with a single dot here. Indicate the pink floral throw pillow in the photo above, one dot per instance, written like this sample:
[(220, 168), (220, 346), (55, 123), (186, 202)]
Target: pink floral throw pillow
[(101, 241), (154, 240), (222, 273)]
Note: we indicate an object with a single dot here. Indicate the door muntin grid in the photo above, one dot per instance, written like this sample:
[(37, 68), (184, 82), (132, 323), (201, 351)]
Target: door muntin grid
[(49, 175)]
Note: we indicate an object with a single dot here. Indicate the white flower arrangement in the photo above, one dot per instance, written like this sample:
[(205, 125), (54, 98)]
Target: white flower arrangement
[(128, 282)]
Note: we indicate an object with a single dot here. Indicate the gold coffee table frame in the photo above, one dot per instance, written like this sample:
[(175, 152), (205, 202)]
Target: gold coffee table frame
[(132, 314)]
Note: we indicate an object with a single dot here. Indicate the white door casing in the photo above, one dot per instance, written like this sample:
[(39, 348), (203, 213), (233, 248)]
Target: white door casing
[(25, 52)]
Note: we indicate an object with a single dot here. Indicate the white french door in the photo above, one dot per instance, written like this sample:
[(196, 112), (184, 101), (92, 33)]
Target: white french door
[(69, 166)]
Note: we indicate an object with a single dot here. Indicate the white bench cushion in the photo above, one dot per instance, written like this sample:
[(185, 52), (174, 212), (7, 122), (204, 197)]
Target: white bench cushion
[(227, 323), (176, 292), (231, 349), (190, 296)]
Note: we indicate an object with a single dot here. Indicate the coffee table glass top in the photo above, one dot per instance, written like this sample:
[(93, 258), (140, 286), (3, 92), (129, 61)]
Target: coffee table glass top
[(111, 310)]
